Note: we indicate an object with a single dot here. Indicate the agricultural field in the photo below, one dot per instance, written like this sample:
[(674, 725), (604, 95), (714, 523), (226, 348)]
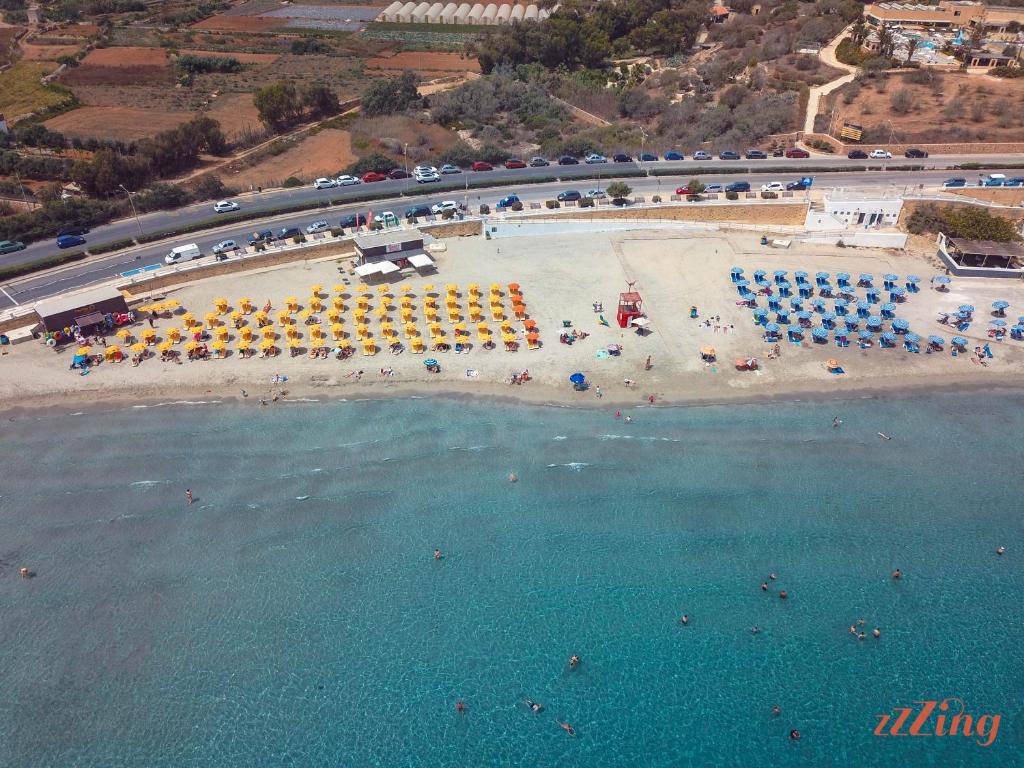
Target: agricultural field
[(121, 66), (427, 64), (926, 107), (115, 123), (33, 52), (22, 92)]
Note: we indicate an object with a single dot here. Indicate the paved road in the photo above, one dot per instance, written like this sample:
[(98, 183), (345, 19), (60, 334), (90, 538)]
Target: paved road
[(96, 269), (163, 220)]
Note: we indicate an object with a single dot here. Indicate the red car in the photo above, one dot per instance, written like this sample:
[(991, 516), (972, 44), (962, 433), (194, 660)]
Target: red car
[(794, 152), (480, 165), (513, 162), (370, 176)]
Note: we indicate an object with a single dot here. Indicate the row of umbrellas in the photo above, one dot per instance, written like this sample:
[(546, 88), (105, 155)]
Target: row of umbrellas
[(864, 280)]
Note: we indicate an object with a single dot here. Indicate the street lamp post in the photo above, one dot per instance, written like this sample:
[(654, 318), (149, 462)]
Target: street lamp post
[(135, 213), (405, 161)]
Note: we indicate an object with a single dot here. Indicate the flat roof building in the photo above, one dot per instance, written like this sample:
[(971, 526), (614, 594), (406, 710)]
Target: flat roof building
[(86, 309), (948, 14)]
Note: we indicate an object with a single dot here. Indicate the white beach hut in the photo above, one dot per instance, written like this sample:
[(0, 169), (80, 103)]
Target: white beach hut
[(476, 14), (504, 12), (419, 14), (404, 16), (448, 14), (391, 12), (490, 14), (434, 14), (462, 15), (517, 13), (530, 14)]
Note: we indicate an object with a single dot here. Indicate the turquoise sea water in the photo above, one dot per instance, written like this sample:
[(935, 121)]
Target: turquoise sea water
[(294, 614)]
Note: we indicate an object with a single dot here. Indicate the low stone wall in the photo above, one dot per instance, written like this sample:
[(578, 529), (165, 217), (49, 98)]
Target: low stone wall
[(791, 214), (989, 148), (451, 228)]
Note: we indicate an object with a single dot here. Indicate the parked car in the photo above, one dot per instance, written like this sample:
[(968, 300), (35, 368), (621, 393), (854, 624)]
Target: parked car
[(796, 152), (778, 152), (352, 220), (1014, 181), (225, 206), (538, 162), (915, 152), (700, 154), (773, 186), (448, 168), (324, 183), (183, 253), (956, 181), (728, 154), (480, 165), (597, 194), (287, 233), (398, 173), (568, 160), (685, 191), (417, 212), (673, 155), (508, 201), (70, 241), (372, 176), (796, 186), (318, 226), (622, 157), (992, 180), (880, 154), (444, 205), (224, 246), (260, 236), (648, 157), (756, 154), (738, 186), (387, 218), (426, 176), (593, 158), (857, 154), (569, 196), (10, 246), (73, 231), (514, 162), (347, 181), (710, 188)]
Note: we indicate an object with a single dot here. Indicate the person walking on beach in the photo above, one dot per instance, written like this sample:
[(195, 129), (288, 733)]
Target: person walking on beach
[(188, 496), (647, 365), (597, 391)]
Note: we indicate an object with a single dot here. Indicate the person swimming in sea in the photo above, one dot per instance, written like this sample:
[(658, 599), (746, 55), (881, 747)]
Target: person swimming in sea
[(776, 710), (574, 661), (1000, 550), (685, 620), (437, 554), (533, 705), (567, 728), (460, 707), (794, 735), (897, 573)]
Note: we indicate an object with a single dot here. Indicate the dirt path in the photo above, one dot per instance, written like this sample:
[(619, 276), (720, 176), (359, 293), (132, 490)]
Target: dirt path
[(827, 55)]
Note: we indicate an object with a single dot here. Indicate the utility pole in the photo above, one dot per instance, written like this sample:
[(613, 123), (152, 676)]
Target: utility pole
[(405, 161), (135, 213)]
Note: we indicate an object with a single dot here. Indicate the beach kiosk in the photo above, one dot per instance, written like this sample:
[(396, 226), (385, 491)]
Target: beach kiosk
[(380, 254), (630, 307), (89, 310)]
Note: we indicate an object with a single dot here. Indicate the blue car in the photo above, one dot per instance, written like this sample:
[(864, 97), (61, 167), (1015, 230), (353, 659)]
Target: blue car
[(70, 241), (955, 182), (508, 201), (738, 186), (648, 157), (673, 155), (1016, 181)]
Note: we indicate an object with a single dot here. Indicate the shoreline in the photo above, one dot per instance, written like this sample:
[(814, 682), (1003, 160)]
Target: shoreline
[(533, 394)]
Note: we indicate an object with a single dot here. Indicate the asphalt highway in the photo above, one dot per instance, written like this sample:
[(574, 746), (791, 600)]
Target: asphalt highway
[(407, 193)]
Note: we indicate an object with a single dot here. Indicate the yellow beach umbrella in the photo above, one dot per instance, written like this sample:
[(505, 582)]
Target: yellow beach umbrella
[(406, 315), (245, 301), (138, 347), (339, 287), (406, 301), (306, 313), (382, 289), (267, 344), (112, 351), (508, 338), (369, 347), (262, 317), (187, 319), (174, 334), (428, 287), (474, 287), (362, 331), (315, 289), (405, 288), (165, 346), (417, 345), (338, 303), (294, 343), (246, 332), (362, 288), (291, 300), (84, 350), (172, 304), (244, 344), (123, 333), (192, 346), (293, 332), (221, 332), (218, 345), (337, 330), (381, 311), (411, 331), (345, 344), (362, 301), (315, 304), (435, 329), (210, 319), (334, 315), (269, 333)]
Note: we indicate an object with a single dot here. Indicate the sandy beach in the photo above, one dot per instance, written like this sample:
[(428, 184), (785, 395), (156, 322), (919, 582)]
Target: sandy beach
[(561, 277)]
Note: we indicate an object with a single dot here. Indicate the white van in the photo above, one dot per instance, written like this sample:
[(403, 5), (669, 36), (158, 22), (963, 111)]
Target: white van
[(183, 253)]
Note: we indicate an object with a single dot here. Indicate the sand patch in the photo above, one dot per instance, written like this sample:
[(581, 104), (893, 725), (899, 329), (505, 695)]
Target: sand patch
[(324, 154), (47, 52), (117, 123), (244, 58), (424, 61)]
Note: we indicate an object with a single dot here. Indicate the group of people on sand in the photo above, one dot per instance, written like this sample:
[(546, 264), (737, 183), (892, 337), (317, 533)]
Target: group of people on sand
[(520, 377)]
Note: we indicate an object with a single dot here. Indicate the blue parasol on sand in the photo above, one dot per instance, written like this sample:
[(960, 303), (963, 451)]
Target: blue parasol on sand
[(890, 277), (800, 275), (865, 334), (742, 283), (844, 276), (821, 275), (576, 378), (760, 312), (900, 324), (913, 279), (819, 333), (841, 302), (803, 314), (913, 338), (1001, 304), (937, 340), (889, 337), (942, 280), (772, 328), (997, 323), (959, 341), (866, 278), (874, 322), (966, 308), (429, 362)]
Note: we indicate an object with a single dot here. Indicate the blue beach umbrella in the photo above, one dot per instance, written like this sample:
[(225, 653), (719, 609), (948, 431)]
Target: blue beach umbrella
[(785, 285), (937, 340), (874, 322), (779, 275), (966, 308), (959, 341), (865, 278), (819, 333), (796, 304), (760, 312), (818, 304), (762, 281), (851, 324), (899, 324), (841, 333), (1000, 305), (804, 315), (913, 279), (747, 295), (796, 332), (865, 334), (913, 338), (1017, 331), (889, 337), (821, 275), (759, 273), (844, 276), (431, 361), (872, 294), (828, 315), (942, 280), (800, 275), (737, 270), (743, 283), (863, 308), (897, 291), (772, 328), (576, 378), (841, 302), (890, 277), (1020, 320), (998, 323)]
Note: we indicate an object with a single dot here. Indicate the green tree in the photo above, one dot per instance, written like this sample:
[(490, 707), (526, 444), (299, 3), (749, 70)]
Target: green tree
[(618, 189), (386, 97), (695, 186), (278, 104), (321, 100)]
